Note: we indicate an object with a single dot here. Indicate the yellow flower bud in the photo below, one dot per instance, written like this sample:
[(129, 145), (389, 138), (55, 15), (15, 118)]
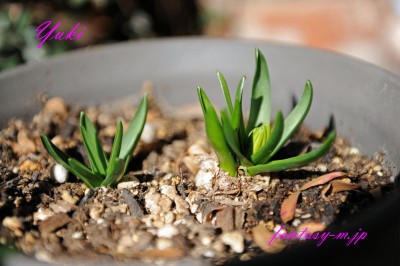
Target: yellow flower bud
[(259, 137)]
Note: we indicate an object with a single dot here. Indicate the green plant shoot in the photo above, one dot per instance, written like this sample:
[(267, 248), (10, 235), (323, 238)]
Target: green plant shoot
[(103, 171), (253, 146)]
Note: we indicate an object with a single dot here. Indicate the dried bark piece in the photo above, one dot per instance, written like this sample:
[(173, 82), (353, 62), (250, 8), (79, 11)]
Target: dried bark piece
[(53, 223), (341, 185), (134, 207), (225, 219), (263, 239)]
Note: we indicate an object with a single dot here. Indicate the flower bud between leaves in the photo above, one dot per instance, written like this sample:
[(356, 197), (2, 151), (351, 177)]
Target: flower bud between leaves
[(259, 137)]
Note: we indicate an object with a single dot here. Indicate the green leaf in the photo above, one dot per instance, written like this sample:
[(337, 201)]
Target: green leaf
[(294, 162), (64, 159), (260, 108), (265, 153), (116, 171), (132, 135), (84, 173), (116, 148), (232, 138), (225, 90), (97, 158), (237, 116), (216, 136), (297, 116)]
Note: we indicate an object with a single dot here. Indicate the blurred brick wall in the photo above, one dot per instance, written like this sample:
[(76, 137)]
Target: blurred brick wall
[(367, 29)]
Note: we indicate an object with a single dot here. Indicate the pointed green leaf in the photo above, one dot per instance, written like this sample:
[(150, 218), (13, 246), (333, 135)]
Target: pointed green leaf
[(216, 136), (294, 162), (56, 153), (116, 172), (297, 116), (64, 159), (225, 90), (116, 148), (265, 153), (135, 129), (84, 173), (260, 108), (93, 147), (232, 138), (237, 116)]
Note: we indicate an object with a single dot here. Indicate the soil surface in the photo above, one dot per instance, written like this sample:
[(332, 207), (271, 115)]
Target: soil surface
[(175, 202)]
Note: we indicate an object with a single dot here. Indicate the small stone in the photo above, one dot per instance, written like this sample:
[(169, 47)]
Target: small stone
[(128, 184), (167, 231), (77, 235), (15, 170), (24, 144), (164, 243), (157, 203), (59, 173), (149, 133), (29, 165), (322, 167), (190, 164), (296, 222), (377, 168), (168, 191), (206, 240), (379, 173), (14, 224), (56, 106), (62, 206), (197, 149), (41, 215), (234, 240), (68, 198), (169, 218), (204, 179), (53, 223), (354, 151), (96, 211)]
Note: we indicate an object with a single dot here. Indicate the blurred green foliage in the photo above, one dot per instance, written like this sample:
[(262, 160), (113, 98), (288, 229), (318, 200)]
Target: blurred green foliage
[(106, 21)]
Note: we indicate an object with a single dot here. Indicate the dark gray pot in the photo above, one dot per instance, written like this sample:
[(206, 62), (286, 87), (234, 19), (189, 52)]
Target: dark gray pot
[(363, 98)]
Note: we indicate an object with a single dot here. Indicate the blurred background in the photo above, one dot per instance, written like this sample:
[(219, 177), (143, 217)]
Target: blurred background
[(367, 29)]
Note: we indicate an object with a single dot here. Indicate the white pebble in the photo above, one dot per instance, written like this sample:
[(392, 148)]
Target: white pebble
[(15, 170), (149, 133), (296, 222), (354, 151), (60, 174), (234, 240), (128, 184), (167, 231), (77, 235)]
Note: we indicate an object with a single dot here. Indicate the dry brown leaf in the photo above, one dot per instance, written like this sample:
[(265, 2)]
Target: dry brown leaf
[(325, 190), (288, 207), (262, 237), (340, 185), (322, 180), (311, 227)]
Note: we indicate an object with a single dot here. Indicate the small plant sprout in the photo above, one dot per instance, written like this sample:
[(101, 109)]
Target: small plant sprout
[(103, 171), (253, 146)]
